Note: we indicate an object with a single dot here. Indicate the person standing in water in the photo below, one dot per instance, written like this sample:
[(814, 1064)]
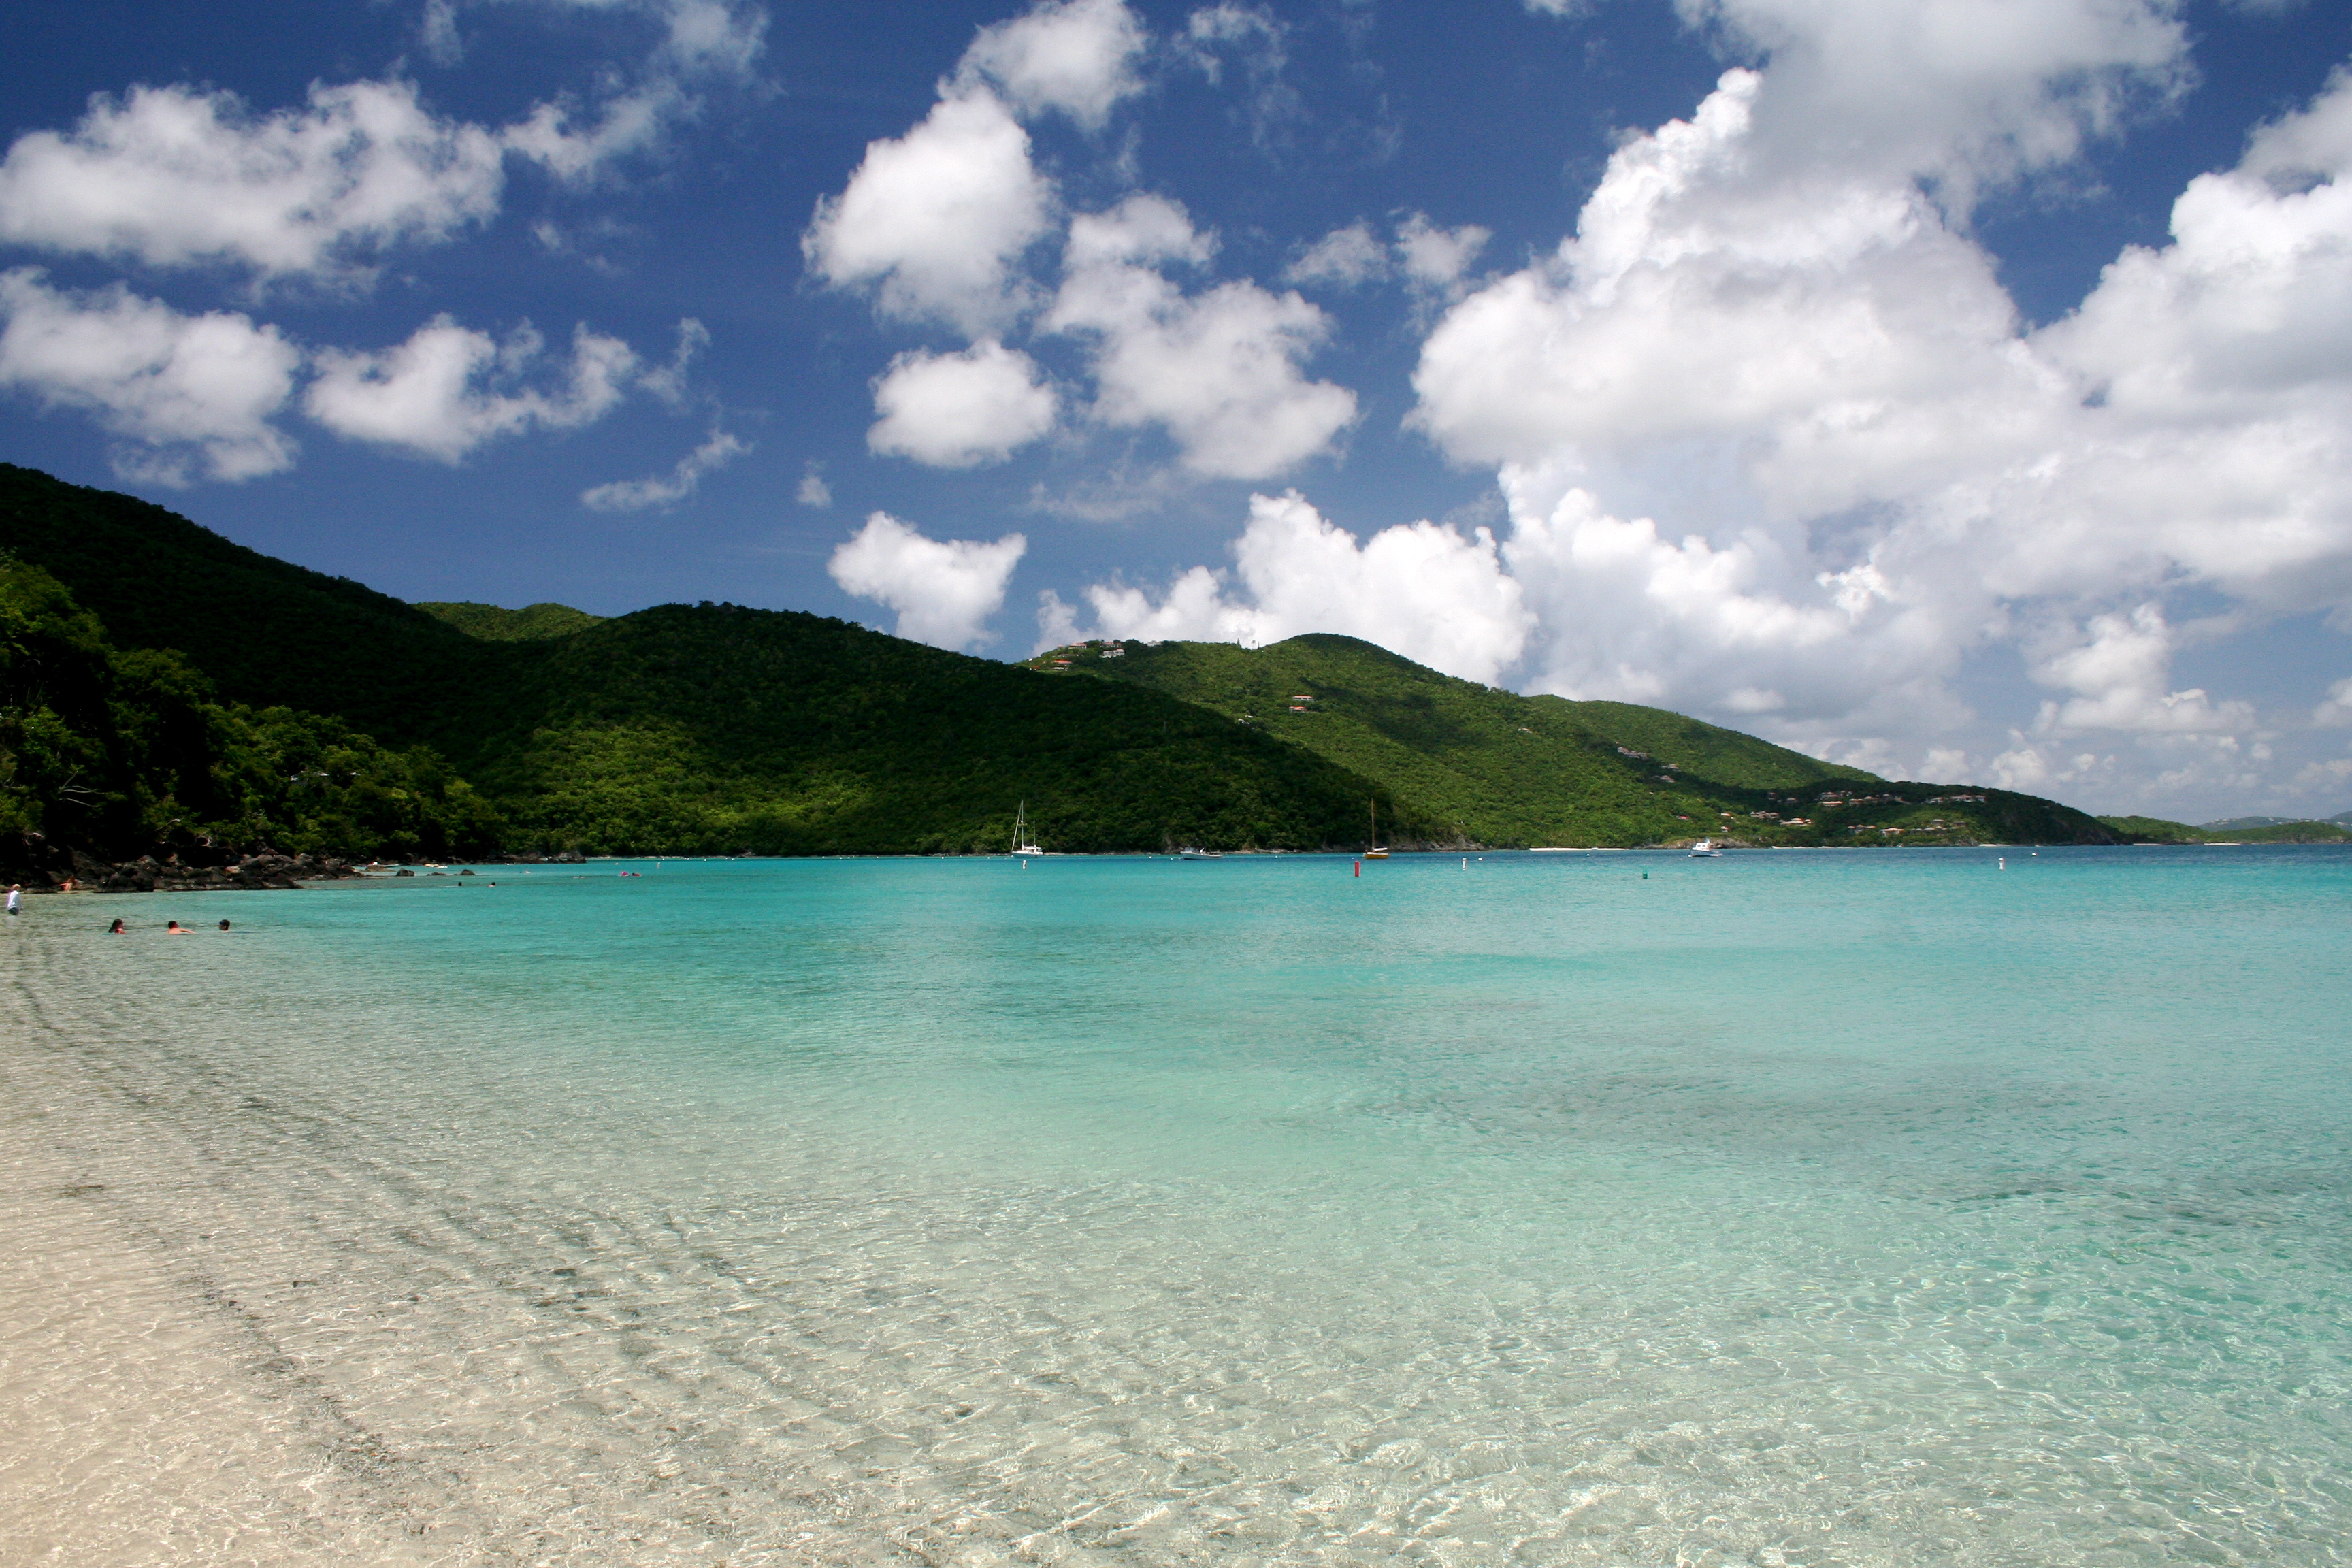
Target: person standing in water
[(16, 899), (174, 928)]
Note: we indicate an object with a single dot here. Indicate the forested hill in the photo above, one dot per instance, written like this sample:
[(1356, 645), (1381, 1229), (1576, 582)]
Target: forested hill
[(1494, 767), (687, 729), (265, 632), (717, 728)]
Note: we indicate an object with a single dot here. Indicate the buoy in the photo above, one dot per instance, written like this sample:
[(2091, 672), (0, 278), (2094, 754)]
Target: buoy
[(1360, 868)]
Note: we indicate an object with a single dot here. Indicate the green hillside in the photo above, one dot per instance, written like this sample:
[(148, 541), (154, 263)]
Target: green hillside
[(2236, 830), (686, 729), (118, 753), (265, 632), (1480, 765), (713, 729), (717, 728), (532, 622)]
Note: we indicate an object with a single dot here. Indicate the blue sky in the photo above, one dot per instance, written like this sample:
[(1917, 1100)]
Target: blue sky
[(1959, 387)]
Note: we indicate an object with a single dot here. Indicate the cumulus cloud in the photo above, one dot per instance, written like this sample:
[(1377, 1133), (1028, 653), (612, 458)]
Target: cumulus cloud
[(1076, 56), (2119, 673), (666, 490), (1218, 370), (955, 411), (1437, 258), (171, 176), (936, 219), (2335, 711), (1773, 332), (944, 590), (1427, 591), (186, 396), (814, 492), (449, 389), (1346, 257)]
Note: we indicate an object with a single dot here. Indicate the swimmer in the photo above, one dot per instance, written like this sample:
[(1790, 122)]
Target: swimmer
[(174, 928), (116, 929), (223, 925)]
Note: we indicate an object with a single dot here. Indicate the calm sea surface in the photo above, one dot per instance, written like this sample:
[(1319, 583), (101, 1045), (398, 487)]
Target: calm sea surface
[(1791, 1209)]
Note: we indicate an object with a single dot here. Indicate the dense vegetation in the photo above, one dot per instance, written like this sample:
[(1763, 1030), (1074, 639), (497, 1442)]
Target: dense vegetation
[(2240, 830), (118, 753), (1476, 764), (265, 633), (717, 728), (532, 622)]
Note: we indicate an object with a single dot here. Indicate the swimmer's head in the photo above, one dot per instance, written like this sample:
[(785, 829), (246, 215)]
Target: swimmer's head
[(223, 925)]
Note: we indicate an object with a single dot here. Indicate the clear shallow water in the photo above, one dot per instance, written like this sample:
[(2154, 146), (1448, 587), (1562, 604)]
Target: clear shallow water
[(1790, 1208)]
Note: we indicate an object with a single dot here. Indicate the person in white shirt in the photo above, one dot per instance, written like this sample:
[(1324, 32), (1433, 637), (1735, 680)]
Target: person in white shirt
[(16, 898)]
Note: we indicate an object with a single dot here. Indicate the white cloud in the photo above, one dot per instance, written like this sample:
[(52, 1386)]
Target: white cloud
[(954, 411), (1077, 57), (1258, 39), (1429, 591), (577, 145), (171, 176), (1344, 259), (186, 394), (1959, 92), (937, 218), (449, 389), (1219, 371), (1438, 258), (1772, 331), (666, 491), (669, 382), (2118, 672), (699, 38), (944, 590), (2335, 711), (814, 492)]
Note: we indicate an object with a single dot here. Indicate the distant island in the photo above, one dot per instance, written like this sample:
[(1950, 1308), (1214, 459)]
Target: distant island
[(2235, 831), (170, 694)]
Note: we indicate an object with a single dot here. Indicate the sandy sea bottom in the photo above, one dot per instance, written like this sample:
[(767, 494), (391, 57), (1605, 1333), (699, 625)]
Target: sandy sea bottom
[(1785, 1209)]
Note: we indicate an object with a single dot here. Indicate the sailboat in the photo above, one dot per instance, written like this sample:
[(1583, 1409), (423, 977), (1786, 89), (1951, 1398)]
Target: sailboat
[(1020, 833), (1377, 851)]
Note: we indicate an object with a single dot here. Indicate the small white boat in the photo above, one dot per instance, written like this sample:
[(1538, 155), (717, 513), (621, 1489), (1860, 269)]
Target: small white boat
[(1199, 854), (1704, 849), (1376, 850), (1020, 832)]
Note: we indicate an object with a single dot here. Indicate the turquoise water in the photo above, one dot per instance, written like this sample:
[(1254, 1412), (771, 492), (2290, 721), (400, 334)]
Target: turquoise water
[(1790, 1208)]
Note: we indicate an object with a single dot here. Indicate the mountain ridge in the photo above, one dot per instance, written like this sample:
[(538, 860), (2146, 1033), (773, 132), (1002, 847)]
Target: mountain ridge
[(721, 728)]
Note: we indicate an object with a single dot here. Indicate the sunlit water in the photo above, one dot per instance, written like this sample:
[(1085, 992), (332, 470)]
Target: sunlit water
[(1790, 1208)]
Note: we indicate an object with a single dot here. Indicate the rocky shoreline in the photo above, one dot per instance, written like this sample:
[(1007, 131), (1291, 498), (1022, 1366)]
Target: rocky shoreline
[(49, 870)]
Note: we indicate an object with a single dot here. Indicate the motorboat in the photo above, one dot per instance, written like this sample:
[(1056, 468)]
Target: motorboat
[(1704, 849)]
